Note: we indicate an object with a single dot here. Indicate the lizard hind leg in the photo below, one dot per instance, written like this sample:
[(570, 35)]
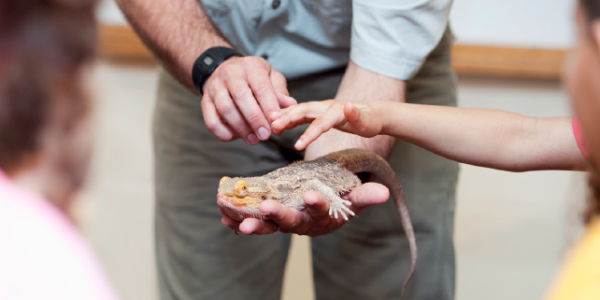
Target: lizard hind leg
[(337, 205)]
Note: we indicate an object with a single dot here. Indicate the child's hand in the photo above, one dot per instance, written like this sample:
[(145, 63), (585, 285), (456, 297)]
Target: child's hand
[(353, 117)]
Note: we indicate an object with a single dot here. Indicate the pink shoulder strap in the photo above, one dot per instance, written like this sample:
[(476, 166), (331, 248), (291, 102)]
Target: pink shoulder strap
[(579, 136)]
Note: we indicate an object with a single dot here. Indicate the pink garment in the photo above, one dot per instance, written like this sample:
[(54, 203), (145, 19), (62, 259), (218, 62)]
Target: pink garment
[(579, 137), (42, 256)]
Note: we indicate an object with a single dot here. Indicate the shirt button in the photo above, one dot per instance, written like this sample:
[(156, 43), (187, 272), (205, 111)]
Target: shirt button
[(276, 4), (266, 57)]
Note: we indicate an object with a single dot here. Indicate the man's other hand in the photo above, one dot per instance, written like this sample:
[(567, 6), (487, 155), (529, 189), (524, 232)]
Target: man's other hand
[(312, 221)]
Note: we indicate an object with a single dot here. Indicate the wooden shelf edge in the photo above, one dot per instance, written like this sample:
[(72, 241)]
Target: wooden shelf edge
[(120, 43)]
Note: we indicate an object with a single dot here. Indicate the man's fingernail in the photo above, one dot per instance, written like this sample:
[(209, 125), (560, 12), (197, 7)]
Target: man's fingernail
[(252, 139), (298, 143), (263, 133)]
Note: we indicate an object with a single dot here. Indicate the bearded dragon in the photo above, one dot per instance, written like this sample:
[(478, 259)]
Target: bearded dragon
[(332, 175)]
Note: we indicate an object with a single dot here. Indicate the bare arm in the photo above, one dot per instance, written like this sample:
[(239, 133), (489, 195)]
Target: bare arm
[(488, 138), (482, 137), (176, 31)]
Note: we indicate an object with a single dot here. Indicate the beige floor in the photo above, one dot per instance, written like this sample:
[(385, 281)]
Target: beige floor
[(512, 230)]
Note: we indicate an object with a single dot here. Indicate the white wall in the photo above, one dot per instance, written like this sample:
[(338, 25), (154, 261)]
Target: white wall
[(518, 23), (109, 13)]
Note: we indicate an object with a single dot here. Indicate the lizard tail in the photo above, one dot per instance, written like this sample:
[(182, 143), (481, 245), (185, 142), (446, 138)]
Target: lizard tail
[(359, 160)]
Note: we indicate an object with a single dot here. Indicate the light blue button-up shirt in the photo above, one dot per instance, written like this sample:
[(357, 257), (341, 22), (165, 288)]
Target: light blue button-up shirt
[(303, 37)]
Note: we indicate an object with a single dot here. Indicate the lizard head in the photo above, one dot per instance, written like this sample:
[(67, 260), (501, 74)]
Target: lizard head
[(239, 197)]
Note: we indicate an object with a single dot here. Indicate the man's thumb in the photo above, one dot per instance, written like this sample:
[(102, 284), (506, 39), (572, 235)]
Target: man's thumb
[(281, 91), (369, 194)]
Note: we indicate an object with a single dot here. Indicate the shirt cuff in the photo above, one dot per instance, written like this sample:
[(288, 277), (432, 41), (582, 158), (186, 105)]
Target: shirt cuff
[(387, 64)]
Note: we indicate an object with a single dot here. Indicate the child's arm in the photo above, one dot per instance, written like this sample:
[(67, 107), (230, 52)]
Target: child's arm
[(482, 137)]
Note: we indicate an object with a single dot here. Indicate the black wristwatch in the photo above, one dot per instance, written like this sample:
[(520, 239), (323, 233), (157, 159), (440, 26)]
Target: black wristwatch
[(207, 62)]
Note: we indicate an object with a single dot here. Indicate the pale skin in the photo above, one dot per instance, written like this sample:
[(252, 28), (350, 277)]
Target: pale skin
[(359, 84), (481, 137), (178, 31)]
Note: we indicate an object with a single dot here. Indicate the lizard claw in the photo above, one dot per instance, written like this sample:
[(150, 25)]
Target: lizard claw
[(349, 211), (340, 206)]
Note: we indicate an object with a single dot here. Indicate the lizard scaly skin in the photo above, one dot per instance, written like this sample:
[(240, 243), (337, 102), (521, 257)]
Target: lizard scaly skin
[(332, 175)]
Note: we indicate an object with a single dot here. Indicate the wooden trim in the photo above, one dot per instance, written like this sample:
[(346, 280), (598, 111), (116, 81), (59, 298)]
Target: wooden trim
[(122, 44), (508, 62)]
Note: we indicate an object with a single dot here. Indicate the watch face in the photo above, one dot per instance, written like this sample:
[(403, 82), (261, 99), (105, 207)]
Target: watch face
[(208, 60)]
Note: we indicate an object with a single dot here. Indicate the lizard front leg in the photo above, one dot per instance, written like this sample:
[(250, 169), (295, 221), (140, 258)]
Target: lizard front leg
[(337, 205)]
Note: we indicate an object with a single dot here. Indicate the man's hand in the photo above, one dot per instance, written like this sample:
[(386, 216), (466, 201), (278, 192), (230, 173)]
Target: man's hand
[(312, 221), (358, 84), (240, 95), (241, 92)]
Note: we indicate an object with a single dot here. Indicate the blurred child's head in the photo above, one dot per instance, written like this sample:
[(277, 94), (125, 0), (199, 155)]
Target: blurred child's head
[(45, 46), (583, 82)]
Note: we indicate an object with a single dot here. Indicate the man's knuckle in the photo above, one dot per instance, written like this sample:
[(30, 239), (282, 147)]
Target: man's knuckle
[(226, 108), (211, 125), (204, 102), (262, 89), (239, 127), (257, 62), (226, 137), (254, 59), (249, 61), (254, 118), (228, 70), (240, 93)]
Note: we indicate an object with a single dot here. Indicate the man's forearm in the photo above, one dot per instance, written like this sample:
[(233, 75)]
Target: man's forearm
[(359, 84), (176, 31)]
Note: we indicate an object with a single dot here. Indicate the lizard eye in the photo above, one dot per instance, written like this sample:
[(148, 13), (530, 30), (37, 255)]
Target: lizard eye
[(242, 189)]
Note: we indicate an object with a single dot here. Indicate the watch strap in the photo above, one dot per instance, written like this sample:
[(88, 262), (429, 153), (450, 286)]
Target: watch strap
[(208, 62)]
